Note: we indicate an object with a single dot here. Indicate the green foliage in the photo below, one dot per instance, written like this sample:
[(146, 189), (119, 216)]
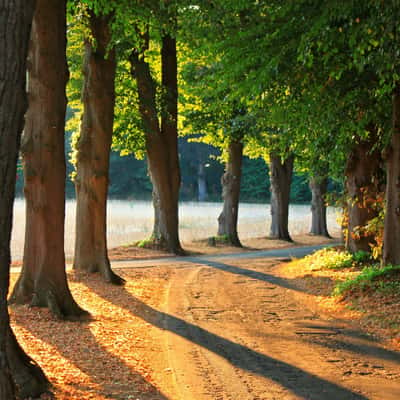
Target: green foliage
[(255, 180), (385, 280), (330, 258)]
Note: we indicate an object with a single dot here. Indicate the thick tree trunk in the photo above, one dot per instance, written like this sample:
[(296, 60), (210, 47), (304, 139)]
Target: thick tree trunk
[(43, 280), (281, 179), (362, 185), (93, 152), (17, 371), (318, 188), (161, 142), (202, 194), (230, 181), (391, 235)]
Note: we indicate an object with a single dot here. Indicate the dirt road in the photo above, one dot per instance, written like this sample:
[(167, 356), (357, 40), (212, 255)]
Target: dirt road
[(237, 330)]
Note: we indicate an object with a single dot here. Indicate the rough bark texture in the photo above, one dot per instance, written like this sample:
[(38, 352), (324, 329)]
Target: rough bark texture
[(281, 179), (391, 247), (362, 184), (318, 188), (230, 181), (93, 152), (161, 142), (18, 373), (43, 280)]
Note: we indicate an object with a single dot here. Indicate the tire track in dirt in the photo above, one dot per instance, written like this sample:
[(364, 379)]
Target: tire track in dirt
[(240, 337)]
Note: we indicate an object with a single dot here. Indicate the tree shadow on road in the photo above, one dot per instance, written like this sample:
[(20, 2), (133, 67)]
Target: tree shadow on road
[(265, 277), (108, 374), (290, 377)]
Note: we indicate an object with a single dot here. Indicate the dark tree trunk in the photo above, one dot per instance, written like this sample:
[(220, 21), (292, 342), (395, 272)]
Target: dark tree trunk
[(391, 235), (318, 188), (18, 373), (362, 185), (93, 152), (230, 181), (202, 194), (161, 142), (43, 280), (281, 179), (27, 374)]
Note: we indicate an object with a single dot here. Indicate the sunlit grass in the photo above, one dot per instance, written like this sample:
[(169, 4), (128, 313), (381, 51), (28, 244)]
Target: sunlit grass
[(131, 221)]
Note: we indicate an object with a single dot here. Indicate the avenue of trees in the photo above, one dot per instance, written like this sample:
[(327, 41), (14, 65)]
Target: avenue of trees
[(304, 86)]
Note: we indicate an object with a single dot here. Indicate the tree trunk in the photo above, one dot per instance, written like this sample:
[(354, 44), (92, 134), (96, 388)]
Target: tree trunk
[(161, 141), (202, 194), (391, 248), (362, 185), (93, 152), (230, 181), (281, 178), (318, 188), (43, 280), (24, 376)]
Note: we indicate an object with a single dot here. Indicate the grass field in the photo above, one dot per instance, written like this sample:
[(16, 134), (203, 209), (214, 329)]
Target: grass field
[(129, 221)]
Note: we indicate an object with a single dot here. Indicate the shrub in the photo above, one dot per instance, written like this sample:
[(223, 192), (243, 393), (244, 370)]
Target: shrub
[(330, 258)]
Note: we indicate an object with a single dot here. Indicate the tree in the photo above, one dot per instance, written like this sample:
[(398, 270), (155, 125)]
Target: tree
[(93, 150), (161, 139), (17, 370), (281, 171), (230, 181), (319, 189), (363, 181), (43, 280)]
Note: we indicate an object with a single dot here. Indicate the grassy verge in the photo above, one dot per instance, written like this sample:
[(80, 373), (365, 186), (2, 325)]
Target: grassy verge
[(351, 286)]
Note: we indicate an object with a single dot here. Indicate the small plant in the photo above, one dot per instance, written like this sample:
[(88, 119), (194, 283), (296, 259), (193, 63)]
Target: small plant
[(330, 258), (361, 257), (371, 278)]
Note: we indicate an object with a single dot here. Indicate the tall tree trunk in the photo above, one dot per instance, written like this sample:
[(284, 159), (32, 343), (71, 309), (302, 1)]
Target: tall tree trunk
[(362, 185), (281, 179), (93, 152), (202, 194), (43, 280), (17, 371), (391, 248), (161, 141), (230, 181), (318, 188)]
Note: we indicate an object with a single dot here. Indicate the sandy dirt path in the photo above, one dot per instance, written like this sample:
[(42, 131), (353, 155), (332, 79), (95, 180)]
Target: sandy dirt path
[(237, 330)]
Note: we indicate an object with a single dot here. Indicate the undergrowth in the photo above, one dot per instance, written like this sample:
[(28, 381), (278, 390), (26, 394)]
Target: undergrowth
[(331, 258), (385, 280)]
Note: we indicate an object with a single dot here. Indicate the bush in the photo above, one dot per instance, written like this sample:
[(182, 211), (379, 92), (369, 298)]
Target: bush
[(330, 258)]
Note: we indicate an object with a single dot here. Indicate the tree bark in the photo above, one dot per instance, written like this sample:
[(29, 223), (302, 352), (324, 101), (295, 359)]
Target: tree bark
[(161, 141), (281, 178), (93, 152), (318, 188), (43, 280), (18, 373), (362, 186), (230, 181), (391, 234)]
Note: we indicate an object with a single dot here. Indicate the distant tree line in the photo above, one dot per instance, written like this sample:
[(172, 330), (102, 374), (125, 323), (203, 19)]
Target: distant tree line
[(129, 178)]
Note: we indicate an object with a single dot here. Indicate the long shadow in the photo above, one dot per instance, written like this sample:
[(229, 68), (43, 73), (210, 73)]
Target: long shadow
[(295, 379), (261, 276), (360, 348), (113, 380), (363, 347)]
